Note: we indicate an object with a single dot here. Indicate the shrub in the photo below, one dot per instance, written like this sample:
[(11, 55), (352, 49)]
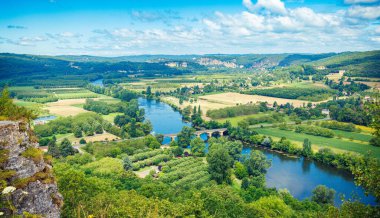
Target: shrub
[(33, 153), (315, 130)]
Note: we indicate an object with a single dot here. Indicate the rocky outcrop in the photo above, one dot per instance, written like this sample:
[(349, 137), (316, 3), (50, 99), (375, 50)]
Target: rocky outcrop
[(24, 167)]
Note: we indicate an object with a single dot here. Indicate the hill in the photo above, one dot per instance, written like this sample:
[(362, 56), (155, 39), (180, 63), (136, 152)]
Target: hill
[(363, 64)]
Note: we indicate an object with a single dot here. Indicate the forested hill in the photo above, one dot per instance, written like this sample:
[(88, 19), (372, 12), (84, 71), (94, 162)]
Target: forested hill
[(16, 69), (365, 64), (33, 69)]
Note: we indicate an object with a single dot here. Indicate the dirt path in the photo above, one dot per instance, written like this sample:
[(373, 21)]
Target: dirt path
[(144, 173)]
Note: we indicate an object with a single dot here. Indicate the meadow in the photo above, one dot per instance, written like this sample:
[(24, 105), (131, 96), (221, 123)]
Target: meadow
[(343, 144)]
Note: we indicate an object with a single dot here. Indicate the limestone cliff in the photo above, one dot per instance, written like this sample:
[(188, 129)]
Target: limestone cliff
[(23, 166)]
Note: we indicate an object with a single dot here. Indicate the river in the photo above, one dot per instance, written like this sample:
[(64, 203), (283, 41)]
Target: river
[(298, 175)]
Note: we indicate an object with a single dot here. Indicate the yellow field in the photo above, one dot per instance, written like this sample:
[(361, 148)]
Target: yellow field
[(335, 76), (365, 128), (65, 108), (230, 99), (205, 105), (68, 107), (98, 137), (375, 85)]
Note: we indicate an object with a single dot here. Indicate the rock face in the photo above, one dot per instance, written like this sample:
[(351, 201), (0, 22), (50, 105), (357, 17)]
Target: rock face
[(22, 166)]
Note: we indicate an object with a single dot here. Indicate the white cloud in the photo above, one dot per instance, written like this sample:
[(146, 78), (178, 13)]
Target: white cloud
[(272, 6), (364, 12), (377, 30), (211, 24), (267, 26)]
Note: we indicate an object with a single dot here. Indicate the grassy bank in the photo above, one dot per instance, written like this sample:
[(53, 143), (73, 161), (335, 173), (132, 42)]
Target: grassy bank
[(337, 143)]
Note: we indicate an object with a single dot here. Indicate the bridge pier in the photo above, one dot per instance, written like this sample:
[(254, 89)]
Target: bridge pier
[(221, 133), (198, 134), (172, 138), (209, 134)]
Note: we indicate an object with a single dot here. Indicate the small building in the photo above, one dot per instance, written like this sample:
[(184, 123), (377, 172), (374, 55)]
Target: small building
[(321, 68), (326, 111), (368, 99)]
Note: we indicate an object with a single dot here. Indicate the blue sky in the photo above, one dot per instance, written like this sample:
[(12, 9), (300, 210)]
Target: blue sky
[(130, 27)]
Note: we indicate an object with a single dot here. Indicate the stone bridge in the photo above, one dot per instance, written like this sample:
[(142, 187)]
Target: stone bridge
[(209, 133)]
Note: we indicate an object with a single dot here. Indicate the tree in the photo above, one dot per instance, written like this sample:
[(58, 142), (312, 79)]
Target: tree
[(367, 174), (271, 206), (244, 124), (186, 113), (148, 91), (222, 201), (306, 148), (82, 141), (219, 165), (197, 147), (152, 142), (65, 148), (266, 142), (147, 127), (245, 183), (240, 170), (53, 149), (256, 163), (77, 132), (177, 151), (160, 138), (374, 111), (127, 164), (234, 148), (173, 144), (98, 129), (184, 137), (323, 195), (10, 111)]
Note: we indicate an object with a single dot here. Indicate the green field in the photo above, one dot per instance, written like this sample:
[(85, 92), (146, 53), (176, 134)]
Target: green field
[(235, 120), (353, 135), (34, 94), (322, 141), (36, 107), (110, 117)]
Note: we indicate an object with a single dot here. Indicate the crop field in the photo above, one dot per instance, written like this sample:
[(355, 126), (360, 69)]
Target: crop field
[(353, 135), (340, 144), (335, 76), (149, 158), (229, 99), (375, 85), (80, 94), (66, 108), (72, 107), (105, 136), (235, 120), (185, 172), (161, 85), (232, 98), (43, 95), (36, 107)]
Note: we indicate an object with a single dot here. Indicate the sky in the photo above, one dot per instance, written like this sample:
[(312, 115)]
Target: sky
[(134, 27)]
